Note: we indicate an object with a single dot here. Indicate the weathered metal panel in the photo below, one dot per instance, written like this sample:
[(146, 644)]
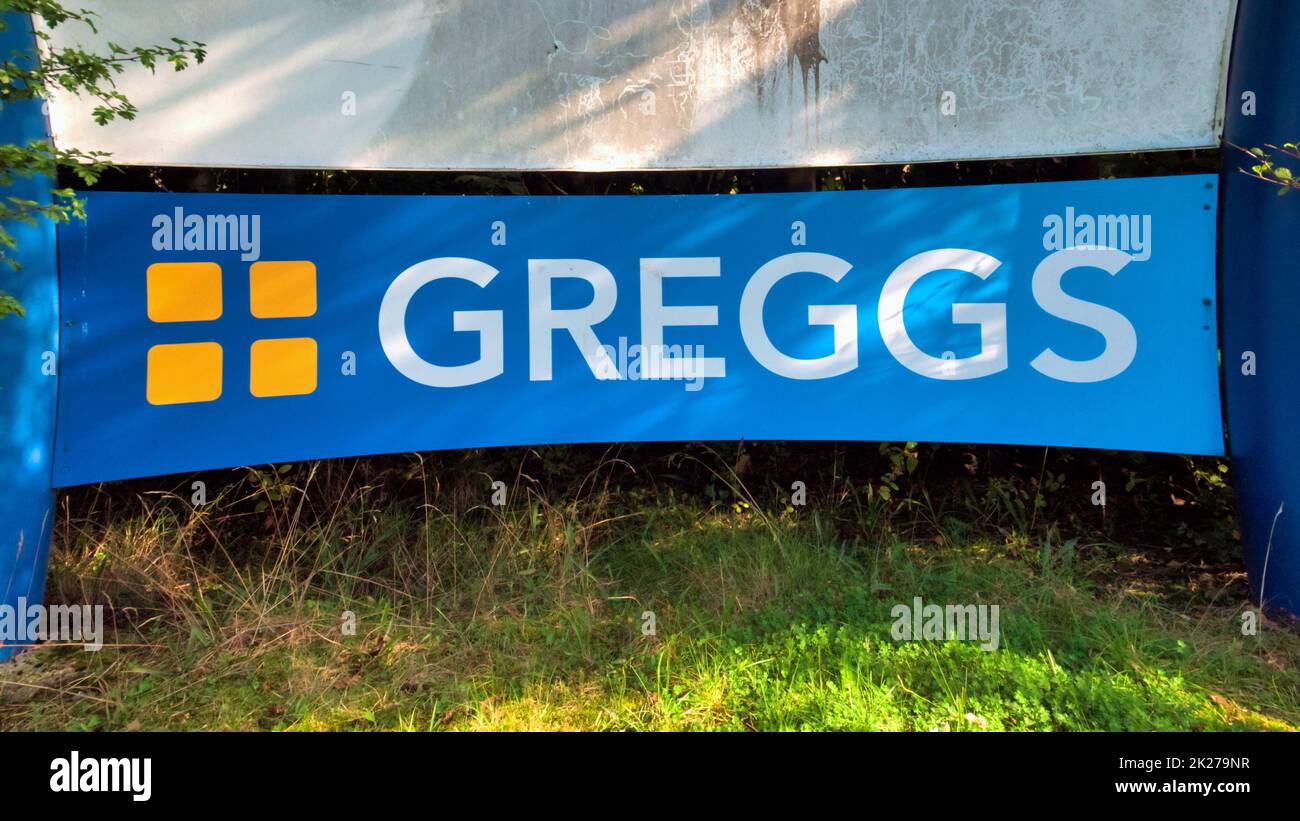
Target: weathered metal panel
[(606, 84)]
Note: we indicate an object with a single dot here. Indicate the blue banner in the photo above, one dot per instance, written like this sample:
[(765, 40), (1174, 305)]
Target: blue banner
[(212, 330)]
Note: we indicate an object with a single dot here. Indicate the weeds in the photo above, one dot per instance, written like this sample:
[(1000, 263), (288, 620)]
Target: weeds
[(532, 615)]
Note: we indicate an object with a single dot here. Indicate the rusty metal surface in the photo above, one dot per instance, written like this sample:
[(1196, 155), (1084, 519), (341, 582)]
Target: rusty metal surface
[(619, 84)]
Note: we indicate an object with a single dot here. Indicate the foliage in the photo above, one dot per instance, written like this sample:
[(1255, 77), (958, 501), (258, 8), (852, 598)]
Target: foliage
[(26, 75), (1274, 171)]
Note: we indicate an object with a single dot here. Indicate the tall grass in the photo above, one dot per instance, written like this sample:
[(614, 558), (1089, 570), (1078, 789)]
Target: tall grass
[(469, 615)]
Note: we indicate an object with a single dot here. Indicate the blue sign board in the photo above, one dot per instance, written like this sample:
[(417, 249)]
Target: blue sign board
[(212, 330)]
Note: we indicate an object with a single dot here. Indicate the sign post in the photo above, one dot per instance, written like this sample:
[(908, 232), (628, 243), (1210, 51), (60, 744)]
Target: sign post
[(28, 365), (1260, 283)]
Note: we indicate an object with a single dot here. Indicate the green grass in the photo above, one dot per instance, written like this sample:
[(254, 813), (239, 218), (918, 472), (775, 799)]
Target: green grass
[(531, 618)]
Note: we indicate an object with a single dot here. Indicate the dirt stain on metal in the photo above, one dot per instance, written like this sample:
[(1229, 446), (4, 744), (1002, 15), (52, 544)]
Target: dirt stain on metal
[(796, 25)]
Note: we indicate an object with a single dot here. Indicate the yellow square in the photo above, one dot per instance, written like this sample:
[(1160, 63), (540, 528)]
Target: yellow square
[(183, 291), (189, 372), (280, 289), (282, 367)]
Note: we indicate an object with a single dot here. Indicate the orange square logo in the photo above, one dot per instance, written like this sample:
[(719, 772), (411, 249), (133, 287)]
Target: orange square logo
[(282, 367), (189, 372), (183, 291), (282, 289)]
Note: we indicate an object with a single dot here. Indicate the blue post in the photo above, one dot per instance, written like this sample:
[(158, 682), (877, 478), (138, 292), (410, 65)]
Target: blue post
[(1260, 247), (28, 380)]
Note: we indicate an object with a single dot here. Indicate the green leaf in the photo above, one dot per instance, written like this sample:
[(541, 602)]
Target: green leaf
[(9, 305)]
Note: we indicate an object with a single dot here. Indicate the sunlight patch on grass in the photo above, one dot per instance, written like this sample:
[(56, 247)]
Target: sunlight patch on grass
[(525, 623)]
